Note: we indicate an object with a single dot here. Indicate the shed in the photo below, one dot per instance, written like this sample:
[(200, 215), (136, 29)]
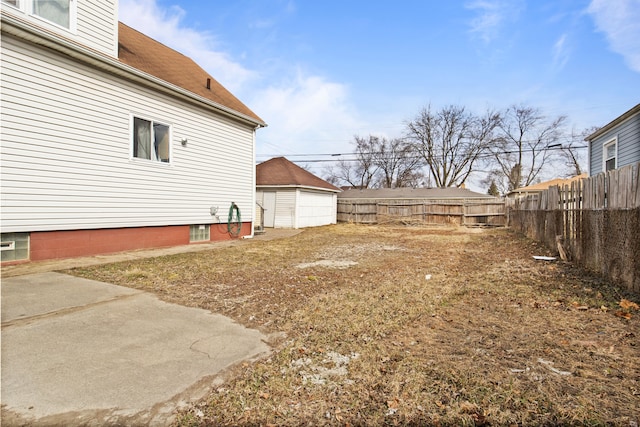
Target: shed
[(292, 197)]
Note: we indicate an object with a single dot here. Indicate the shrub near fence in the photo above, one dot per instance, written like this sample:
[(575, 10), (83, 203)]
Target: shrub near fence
[(596, 221)]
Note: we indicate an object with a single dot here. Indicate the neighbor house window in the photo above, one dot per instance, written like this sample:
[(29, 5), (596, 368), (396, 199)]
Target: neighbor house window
[(151, 140), (59, 12), (610, 155)]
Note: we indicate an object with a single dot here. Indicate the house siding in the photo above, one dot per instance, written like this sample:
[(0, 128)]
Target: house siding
[(316, 209), (628, 135), (96, 24), (285, 209), (65, 153)]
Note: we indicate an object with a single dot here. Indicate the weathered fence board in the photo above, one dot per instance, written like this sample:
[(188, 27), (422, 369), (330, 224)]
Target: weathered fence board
[(423, 212), (597, 219)]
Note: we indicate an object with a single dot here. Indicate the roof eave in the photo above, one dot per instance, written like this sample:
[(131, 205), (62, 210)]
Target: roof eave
[(293, 186), (17, 27), (606, 128)]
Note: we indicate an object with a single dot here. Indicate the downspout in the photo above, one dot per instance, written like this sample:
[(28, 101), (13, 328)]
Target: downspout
[(253, 184)]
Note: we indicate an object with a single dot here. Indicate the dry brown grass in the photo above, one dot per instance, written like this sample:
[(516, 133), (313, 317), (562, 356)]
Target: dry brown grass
[(492, 337)]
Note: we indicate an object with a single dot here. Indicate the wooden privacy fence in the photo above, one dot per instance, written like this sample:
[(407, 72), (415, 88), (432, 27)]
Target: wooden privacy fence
[(469, 213), (595, 222)]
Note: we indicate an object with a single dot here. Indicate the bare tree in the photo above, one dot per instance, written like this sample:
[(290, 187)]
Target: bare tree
[(396, 161), (359, 172), (522, 150), (451, 141), (496, 178), (573, 152)]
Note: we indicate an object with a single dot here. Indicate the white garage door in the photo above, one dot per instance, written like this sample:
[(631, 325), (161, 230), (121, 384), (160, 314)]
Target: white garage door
[(315, 209)]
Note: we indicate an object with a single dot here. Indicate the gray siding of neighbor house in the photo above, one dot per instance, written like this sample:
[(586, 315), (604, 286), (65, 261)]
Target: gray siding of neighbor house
[(628, 134)]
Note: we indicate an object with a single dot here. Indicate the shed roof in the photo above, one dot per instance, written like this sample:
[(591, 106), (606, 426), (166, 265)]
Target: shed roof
[(279, 172), (413, 193), (152, 57)]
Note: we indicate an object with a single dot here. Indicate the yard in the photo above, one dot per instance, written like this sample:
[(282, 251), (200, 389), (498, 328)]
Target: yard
[(383, 325)]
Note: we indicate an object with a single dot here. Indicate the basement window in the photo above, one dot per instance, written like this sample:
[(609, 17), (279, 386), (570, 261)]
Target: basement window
[(200, 233), (151, 140), (14, 246)]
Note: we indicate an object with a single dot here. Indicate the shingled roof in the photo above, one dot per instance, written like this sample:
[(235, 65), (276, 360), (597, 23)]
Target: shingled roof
[(279, 171), (152, 57), (412, 193), (539, 187)]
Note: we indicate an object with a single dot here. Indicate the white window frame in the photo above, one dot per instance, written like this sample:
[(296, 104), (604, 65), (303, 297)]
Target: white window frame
[(132, 140), (613, 141), (26, 6)]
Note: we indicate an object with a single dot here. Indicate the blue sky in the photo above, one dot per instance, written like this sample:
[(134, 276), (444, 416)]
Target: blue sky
[(320, 72)]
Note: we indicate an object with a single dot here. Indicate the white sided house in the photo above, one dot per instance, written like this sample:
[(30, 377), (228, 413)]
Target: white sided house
[(111, 141), (291, 197)]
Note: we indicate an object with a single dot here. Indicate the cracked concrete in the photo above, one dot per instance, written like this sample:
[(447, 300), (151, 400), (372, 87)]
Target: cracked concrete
[(81, 352)]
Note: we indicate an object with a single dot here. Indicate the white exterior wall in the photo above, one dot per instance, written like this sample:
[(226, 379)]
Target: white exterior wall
[(300, 208), (96, 24), (315, 208), (66, 151), (285, 209)]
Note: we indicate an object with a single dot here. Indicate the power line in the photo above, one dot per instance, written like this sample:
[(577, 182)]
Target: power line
[(338, 156)]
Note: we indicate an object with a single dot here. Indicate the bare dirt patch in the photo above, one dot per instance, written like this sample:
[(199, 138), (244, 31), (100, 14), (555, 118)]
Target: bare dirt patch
[(425, 326)]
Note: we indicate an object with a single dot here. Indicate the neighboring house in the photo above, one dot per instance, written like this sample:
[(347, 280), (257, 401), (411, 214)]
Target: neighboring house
[(111, 141), (616, 144), (541, 186), (292, 197)]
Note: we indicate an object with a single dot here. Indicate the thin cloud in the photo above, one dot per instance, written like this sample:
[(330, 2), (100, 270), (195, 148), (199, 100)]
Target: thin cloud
[(620, 22), (560, 52), (306, 114), (165, 25), (492, 16)]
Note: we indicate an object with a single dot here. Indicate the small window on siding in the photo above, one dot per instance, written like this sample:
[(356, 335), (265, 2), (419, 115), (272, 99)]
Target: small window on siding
[(151, 140), (59, 12), (56, 11), (610, 155), (200, 233), (14, 247)]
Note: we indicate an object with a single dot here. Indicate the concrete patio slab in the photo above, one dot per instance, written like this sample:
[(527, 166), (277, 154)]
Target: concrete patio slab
[(81, 352)]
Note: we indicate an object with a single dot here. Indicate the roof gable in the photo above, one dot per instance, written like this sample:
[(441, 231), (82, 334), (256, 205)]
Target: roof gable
[(282, 172), (615, 122), (145, 54)]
